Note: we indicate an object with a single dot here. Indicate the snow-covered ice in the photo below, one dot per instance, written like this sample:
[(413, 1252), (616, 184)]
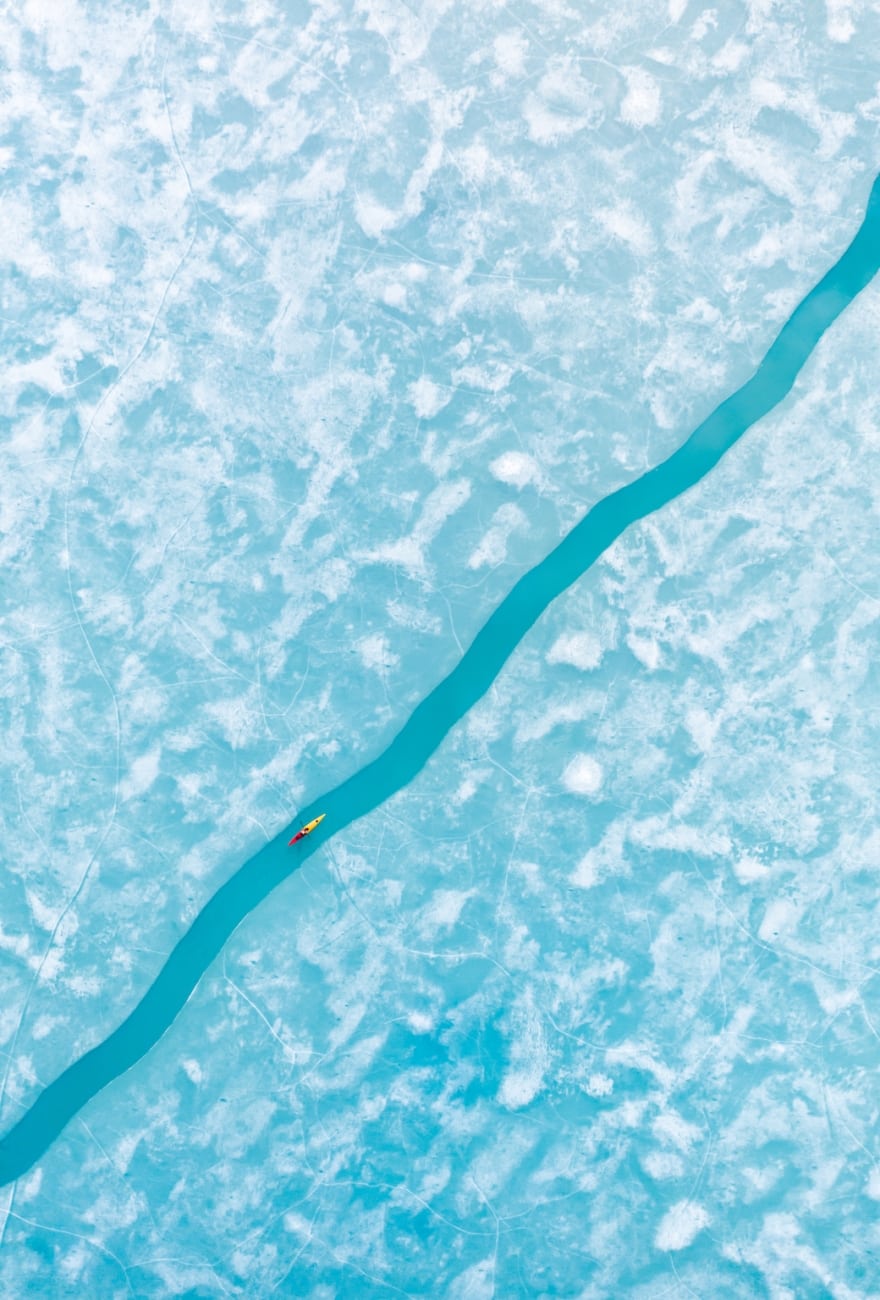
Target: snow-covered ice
[(322, 323)]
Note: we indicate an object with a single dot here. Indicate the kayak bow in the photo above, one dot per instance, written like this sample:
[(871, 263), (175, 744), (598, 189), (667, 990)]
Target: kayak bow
[(306, 830)]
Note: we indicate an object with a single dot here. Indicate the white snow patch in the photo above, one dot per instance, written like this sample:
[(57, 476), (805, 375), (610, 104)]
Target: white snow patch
[(493, 547), (142, 773), (656, 833), (663, 1164), (748, 869), (519, 1087), (466, 790), (580, 649), (515, 468), (641, 103), (44, 1025), (394, 295), (700, 310), (599, 1085), (702, 728), (125, 1149), (427, 398), (628, 227), (707, 22), (730, 56), (762, 1179), (587, 873), (639, 1057), (409, 552), (490, 378), (680, 1225), (607, 858), (832, 1000), (44, 916), (670, 1127), (839, 24), (583, 775), (529, 1059), (192, 1070), (547, 127), (323, 180), (372, 216), (405, 551), (476, 1282), (445, 907), (762, 160), (781, 917), (375, 653), (510, 49), (766, 93), (645, 650)]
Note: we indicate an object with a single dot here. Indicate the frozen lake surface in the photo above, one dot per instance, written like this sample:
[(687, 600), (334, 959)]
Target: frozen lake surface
[(323, 326)]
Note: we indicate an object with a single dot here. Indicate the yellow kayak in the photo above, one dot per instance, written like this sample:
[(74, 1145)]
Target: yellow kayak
[(307, 829)]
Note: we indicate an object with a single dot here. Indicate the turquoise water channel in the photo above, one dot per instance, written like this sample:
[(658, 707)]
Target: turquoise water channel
[(447, 703)]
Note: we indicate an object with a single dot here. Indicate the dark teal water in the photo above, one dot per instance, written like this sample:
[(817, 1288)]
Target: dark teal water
[(447, 703)]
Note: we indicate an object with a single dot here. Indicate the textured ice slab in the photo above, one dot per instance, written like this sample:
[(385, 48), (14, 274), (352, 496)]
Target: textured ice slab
[(238, 520), (262, 333), (564, 1042), (449, 702)]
